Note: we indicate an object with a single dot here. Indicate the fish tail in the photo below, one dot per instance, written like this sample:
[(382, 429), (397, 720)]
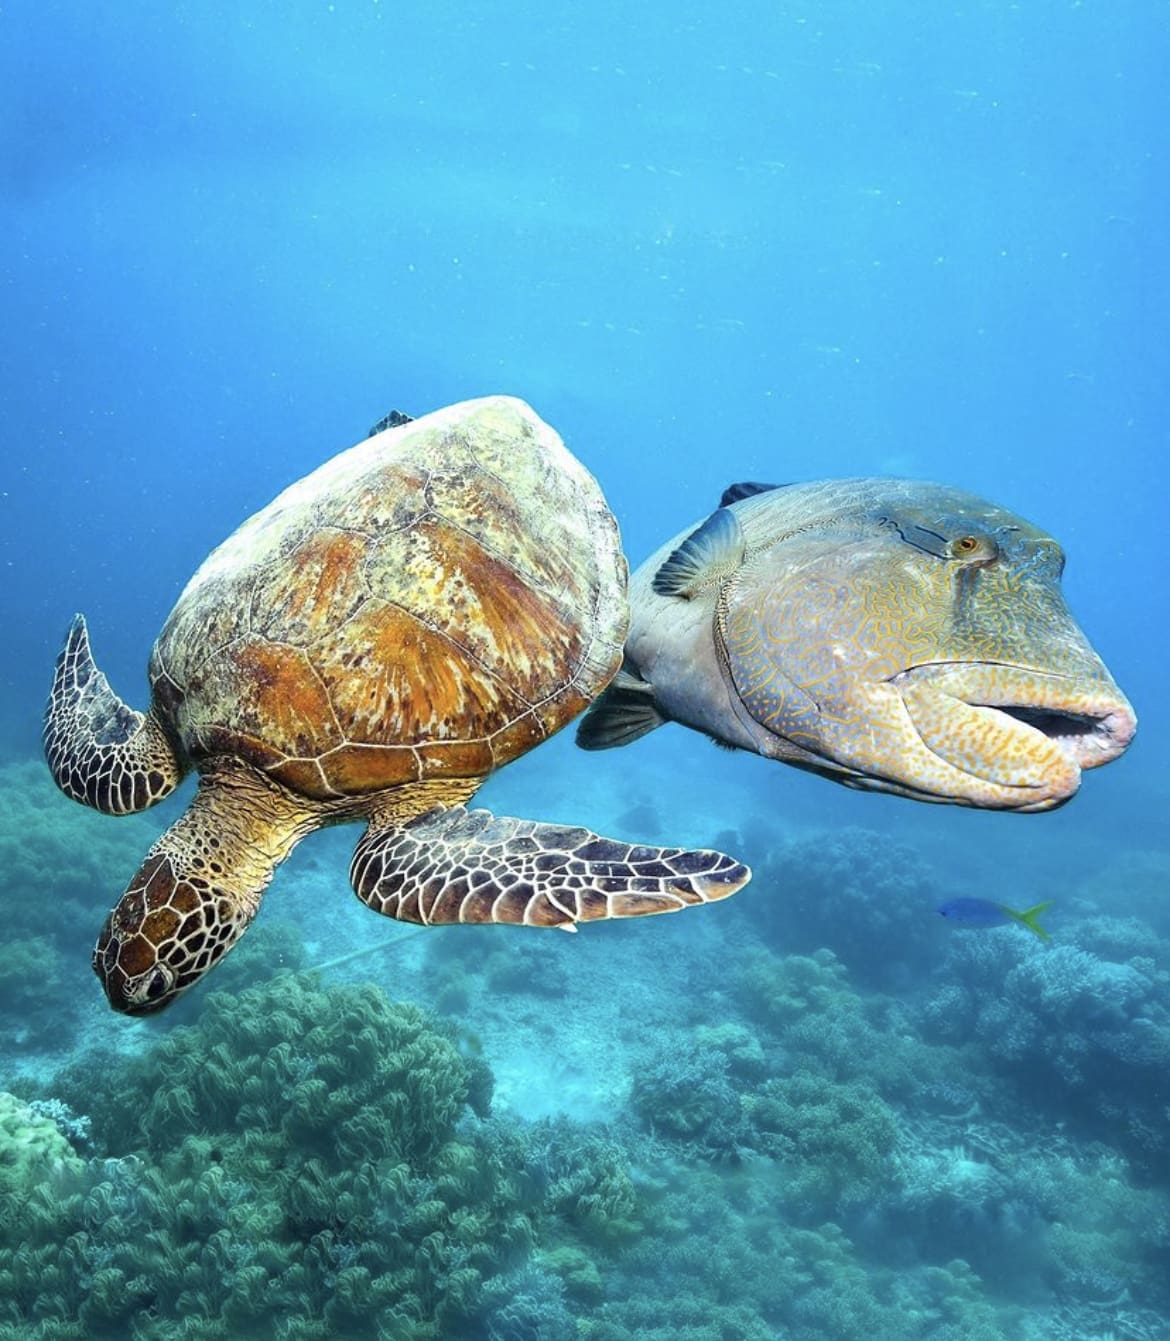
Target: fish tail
[(1028, 918)]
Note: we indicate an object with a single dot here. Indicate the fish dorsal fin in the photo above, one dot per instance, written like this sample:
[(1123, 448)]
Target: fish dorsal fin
[(746, 489), (395, 419), (709, 554)]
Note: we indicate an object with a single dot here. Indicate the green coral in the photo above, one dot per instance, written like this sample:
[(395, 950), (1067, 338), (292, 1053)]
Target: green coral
[(294, 1161), (32, 1150), (717, 1260), (806, 1001), (588, 1181), (835, 1141), (578, 1175), (685, 1093), (740, 1046), (61, 860), (809, 1009), (28, 963), (578, 1271)]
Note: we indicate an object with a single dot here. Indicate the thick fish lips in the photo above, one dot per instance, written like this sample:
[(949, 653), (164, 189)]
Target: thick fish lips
[(1021, 737)]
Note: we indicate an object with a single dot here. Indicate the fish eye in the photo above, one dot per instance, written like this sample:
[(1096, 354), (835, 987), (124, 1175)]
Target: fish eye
[(972, 547)]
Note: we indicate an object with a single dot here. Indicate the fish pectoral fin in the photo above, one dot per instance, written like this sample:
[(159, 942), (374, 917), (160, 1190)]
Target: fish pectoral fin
[(624, 712), (709, 554), (746, 489)]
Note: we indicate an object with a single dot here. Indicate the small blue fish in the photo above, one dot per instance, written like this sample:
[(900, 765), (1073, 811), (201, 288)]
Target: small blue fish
[(971, 912)]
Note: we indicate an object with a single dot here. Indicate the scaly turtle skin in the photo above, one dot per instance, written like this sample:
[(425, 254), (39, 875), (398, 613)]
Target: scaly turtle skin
[(420, 610), (893, 635)]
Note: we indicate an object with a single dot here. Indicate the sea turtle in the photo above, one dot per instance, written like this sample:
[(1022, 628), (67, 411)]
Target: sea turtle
[(418, 611), (894, 635)]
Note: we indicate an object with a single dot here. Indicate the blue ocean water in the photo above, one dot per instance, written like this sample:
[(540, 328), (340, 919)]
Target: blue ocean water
[(706, 243)]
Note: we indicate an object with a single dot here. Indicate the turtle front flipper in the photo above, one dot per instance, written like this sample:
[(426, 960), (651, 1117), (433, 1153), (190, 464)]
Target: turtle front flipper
[(100, 751), (459, 865), (198, 889)]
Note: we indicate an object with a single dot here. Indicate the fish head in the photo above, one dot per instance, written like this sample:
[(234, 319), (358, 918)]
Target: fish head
[(918, 642)]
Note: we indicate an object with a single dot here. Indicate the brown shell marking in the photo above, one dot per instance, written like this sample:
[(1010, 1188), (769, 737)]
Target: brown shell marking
[(314, 589), (397, 624)]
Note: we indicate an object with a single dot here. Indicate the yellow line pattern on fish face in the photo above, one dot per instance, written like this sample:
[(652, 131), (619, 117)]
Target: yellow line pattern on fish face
[(885, 644)]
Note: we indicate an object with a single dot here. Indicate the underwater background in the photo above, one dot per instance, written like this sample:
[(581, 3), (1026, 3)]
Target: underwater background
[(707, 243)]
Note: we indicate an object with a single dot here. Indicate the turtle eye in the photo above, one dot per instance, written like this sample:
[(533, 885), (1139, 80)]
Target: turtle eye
[(159, 981)]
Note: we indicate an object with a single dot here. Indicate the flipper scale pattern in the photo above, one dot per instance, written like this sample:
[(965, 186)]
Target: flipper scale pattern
[(100, 751), (457, 865)]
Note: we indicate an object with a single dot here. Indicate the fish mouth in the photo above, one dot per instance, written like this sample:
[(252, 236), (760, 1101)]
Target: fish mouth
[(1089, 740), (1021, 735)]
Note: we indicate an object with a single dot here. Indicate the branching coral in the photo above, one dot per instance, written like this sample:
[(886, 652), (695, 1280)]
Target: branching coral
[(1085, 1038), (739, 1045), (810, 1014), (784, 990), (294, 1158), (717, 1260), (833, 1140), (577, 1175), (526, 1305), (684, 1093)]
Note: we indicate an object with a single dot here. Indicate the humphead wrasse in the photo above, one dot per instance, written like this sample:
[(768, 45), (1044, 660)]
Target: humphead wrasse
[(893, 635)]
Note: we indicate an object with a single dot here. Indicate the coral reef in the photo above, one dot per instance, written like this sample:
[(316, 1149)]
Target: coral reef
[(64, 865), (293, 1161), (889, 1130), (833, 1141), (33, 1150), (684, 1093), (855, 892), (1083, 1037)]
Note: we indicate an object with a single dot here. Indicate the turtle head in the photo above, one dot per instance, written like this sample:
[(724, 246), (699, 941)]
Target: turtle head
[(922, 646), (198, 889), (163, 935)]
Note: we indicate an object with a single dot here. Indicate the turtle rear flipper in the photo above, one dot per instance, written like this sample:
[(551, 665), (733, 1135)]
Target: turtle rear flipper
[(458, 865), (100, 751)]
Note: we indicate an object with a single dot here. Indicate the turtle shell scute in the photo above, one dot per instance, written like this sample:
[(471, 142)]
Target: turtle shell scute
[(431, 603)]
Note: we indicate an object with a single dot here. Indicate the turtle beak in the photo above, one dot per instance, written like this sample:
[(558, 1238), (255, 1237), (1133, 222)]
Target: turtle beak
[(134, 981)]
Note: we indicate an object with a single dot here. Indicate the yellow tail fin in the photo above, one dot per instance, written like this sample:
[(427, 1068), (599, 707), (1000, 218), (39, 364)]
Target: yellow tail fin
[(1028, 917)]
